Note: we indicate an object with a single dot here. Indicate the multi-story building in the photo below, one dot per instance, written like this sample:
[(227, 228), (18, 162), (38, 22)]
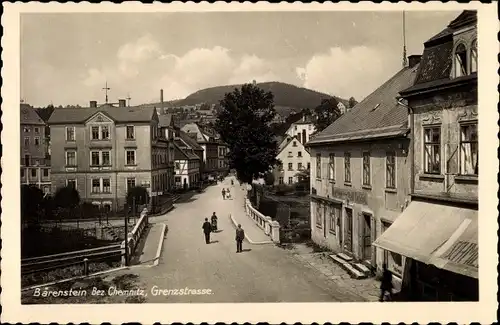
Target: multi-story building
[(360, 174), (103, 151), (187, 168), (35, 158), (438, 232), (302, 129), (223, 158), (294, 158)]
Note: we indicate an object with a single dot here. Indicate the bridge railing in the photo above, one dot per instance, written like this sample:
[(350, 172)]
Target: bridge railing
[(268, 226), (134, 236)]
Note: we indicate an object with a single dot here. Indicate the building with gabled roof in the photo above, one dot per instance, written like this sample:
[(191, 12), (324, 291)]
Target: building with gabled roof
[(294, 158), (187, 167), (35, 157), (360, 175), (104, 150)]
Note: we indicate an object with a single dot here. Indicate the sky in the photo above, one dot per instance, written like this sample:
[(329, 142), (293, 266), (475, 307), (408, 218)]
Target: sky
[(66, 58)]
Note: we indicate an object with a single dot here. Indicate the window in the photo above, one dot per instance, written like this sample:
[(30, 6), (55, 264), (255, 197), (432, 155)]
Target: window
[(366, 168), (290, 166), (334, 216), (290, 180), (26, 129), (70, 133), (71, 158), (22, 172), (295, 127), (96, 185), (319, 220), (106, 161), (294, 143), (331, 167), (33, 172), (177, 165), (130, 155), (469, 149), (71, 183), (390, 170), (130, 183), (318, 166), (37, 141), (460, 61), (308, 165), (130, 132), (347, 167), (37, 130), (94, 158), (104, 132), (281, 180), (95, 133), (473, 57), (45, 172), (299, 166), (393, 261), (299, 154), (26, 141), (290, 154), (106, 185), (432, 150)]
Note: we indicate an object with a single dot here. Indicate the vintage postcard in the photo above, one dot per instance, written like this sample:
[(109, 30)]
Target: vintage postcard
[(249, 163)]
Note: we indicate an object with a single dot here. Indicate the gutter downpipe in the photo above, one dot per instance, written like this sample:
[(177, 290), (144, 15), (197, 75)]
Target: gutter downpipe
[(412, 142)]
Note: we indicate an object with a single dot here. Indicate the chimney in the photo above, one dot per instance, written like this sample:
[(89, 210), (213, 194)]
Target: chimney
[(122, 103), (161, 98), (93, 103), (413, 60)]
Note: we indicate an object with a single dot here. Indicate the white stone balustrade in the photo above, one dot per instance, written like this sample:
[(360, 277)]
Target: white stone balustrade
[(271, 228), (135, 235)]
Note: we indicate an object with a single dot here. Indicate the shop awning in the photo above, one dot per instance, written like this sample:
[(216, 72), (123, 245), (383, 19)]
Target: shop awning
[(442, 235)]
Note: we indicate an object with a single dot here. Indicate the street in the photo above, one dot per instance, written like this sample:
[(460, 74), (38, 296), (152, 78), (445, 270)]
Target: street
[(262, 273)]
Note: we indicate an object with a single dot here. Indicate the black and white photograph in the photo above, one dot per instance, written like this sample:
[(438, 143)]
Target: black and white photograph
[(188, 159)]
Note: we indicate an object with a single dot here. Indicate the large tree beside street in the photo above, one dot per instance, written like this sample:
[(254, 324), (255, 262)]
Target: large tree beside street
[(243, 122), (326, 113)]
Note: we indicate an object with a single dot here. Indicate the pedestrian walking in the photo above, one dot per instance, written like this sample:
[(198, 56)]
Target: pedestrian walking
[(207, 228), (240, 235), (223, 193), (228, 193), (386, 283)]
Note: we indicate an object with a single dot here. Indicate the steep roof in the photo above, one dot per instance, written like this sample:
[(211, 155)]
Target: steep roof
[(378, 115), (30, 116), (180, 154), (436, 62), (118, 114), (189, 141), (165, 120)]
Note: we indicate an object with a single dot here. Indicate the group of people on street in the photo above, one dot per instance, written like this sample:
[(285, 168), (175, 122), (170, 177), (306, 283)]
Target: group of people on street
[(208, 228), (226, 193)]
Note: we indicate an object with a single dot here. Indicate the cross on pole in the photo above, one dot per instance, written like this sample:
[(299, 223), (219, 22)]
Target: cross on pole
[(128, 98), (106, 89)]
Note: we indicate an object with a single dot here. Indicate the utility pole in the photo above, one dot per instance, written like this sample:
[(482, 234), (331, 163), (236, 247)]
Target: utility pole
[(404, 41), (106, 90), (126, 234)]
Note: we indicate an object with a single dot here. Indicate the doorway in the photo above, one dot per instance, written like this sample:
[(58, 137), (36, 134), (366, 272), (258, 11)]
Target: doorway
[(348, 230), (367, 237)]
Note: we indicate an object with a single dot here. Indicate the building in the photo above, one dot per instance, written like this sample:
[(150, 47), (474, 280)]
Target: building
[(360, 174), (294, 158), (169, 132), (223, 157), (35, 158), (438, 232), (187, 168), (103, 151), (302, 129), (210, 143)]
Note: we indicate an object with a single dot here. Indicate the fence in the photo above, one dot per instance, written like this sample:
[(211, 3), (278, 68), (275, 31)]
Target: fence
[(270, 227), (133, 237)]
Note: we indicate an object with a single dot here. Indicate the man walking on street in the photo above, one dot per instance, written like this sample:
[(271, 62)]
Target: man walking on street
[(386, 283), (223, 193), (207, 228), (240, 235)]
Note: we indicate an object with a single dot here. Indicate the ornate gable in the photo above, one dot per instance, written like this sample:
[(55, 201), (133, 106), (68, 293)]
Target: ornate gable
[(99, 117)]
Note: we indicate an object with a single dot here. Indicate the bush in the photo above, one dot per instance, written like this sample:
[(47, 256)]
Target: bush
[(283, 189), (140, 194)]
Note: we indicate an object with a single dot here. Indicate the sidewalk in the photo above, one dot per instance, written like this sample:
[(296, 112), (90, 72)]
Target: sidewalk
[(253, 233), (150, 245)]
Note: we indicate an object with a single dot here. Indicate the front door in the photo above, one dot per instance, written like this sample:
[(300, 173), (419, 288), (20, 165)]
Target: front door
[(348, 230), (367, 237)]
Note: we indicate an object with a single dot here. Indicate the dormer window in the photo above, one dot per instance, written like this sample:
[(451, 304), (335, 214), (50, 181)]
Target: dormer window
[(460, 61), (473, 57)]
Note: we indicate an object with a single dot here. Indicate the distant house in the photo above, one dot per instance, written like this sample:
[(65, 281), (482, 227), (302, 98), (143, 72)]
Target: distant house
[(103, 151), (35, 158), (294, 159), (187, 167)]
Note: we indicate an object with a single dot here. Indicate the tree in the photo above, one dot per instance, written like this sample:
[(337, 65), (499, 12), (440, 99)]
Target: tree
[(326, 113), (352, 102), (31, 202), (269, 178), (140, 194), (243, 122), (66, 199)]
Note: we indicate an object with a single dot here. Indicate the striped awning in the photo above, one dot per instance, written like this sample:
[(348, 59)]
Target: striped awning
[(442, 235)]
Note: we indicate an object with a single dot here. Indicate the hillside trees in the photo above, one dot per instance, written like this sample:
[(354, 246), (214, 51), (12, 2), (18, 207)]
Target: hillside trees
[(243, 122), (352, 102), (326, 113)]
